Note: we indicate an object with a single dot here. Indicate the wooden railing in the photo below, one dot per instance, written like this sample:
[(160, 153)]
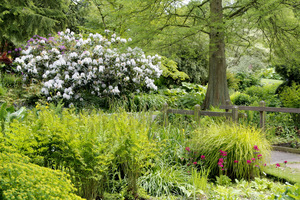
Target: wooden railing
[(197, 112), (234, 114), (262, 109)]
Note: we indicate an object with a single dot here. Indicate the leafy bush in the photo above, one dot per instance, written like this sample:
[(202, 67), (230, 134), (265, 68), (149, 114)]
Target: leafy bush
[(22, 180), (241, 99), (241, 158), (270, 73), (290, 97), (246, 80), (265, 93), (72, 68), (170, 73)]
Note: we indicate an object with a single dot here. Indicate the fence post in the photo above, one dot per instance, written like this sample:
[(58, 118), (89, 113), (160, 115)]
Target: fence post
[(235, 114), (262, 115), (197, 113), (165, 114), (228, 102)]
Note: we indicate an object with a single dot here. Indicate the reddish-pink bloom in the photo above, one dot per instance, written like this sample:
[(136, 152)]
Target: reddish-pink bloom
[(195, 163), (188, 149), (222, 169), (223, 153), (265, 164), (253, 159), (249, 162), (285, 162), (256, 148), (221, 160), (202, 157), (236, 161), (277, 165), (259, 156)]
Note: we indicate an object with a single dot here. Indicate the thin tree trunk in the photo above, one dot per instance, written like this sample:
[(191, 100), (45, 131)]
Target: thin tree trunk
[(217, 91)]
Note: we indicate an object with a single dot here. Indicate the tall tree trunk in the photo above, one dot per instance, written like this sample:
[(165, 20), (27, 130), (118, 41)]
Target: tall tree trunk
[(217, 91)]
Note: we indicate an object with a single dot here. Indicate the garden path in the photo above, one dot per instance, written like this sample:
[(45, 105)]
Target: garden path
[(280, 157)]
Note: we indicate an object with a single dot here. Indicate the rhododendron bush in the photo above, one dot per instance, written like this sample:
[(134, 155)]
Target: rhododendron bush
[(70, 66)]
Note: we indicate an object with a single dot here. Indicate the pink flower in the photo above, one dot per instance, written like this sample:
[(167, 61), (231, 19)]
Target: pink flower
[(256, 148), (223, 153), (202, 157), (221, 160), (265, 164), (285, 162), (277, 165), (256, 166), (259, 156), (253, 159), (249, 162), (236, 161), (222, 169), (188, 149), (195, 163), (220, 164)]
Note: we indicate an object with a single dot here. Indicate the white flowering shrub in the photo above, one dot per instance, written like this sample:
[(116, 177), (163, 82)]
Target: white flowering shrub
[(70, 67)]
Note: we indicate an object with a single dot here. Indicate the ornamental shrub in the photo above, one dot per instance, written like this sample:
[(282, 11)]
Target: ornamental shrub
[(290, 97), (71, 67), (243, 150), (21, 179)]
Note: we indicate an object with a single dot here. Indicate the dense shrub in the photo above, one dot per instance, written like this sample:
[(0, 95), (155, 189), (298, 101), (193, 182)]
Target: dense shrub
[(241, 159), (290, 97), (22, 180), (241, 99), (71, 67), (265, 93), (170, 73), (246, 80)]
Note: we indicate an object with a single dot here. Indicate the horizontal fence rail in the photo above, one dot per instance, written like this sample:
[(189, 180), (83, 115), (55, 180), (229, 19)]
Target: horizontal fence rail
[(266, 109), (262, 109), (197, 112), (234, 114)]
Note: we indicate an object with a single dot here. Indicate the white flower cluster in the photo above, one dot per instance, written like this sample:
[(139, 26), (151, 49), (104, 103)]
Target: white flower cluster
[(70, 66)]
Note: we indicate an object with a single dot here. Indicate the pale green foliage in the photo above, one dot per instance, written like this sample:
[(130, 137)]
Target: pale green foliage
[(170, 69), (260, 188), (22, 180), (89, 146), (238, 141), (290, 96)]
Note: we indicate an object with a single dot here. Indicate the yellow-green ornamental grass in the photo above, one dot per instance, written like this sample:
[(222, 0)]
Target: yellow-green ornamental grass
[(235, 150)]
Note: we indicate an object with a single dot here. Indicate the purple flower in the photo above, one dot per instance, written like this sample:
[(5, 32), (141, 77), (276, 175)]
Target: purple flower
[(9, 52)]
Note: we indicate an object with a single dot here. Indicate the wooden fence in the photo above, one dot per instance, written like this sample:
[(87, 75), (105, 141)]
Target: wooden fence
[(197, 112), (262, 109), (234, 114)]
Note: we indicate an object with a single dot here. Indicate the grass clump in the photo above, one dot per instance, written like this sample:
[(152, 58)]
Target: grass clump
[(234, 150)]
